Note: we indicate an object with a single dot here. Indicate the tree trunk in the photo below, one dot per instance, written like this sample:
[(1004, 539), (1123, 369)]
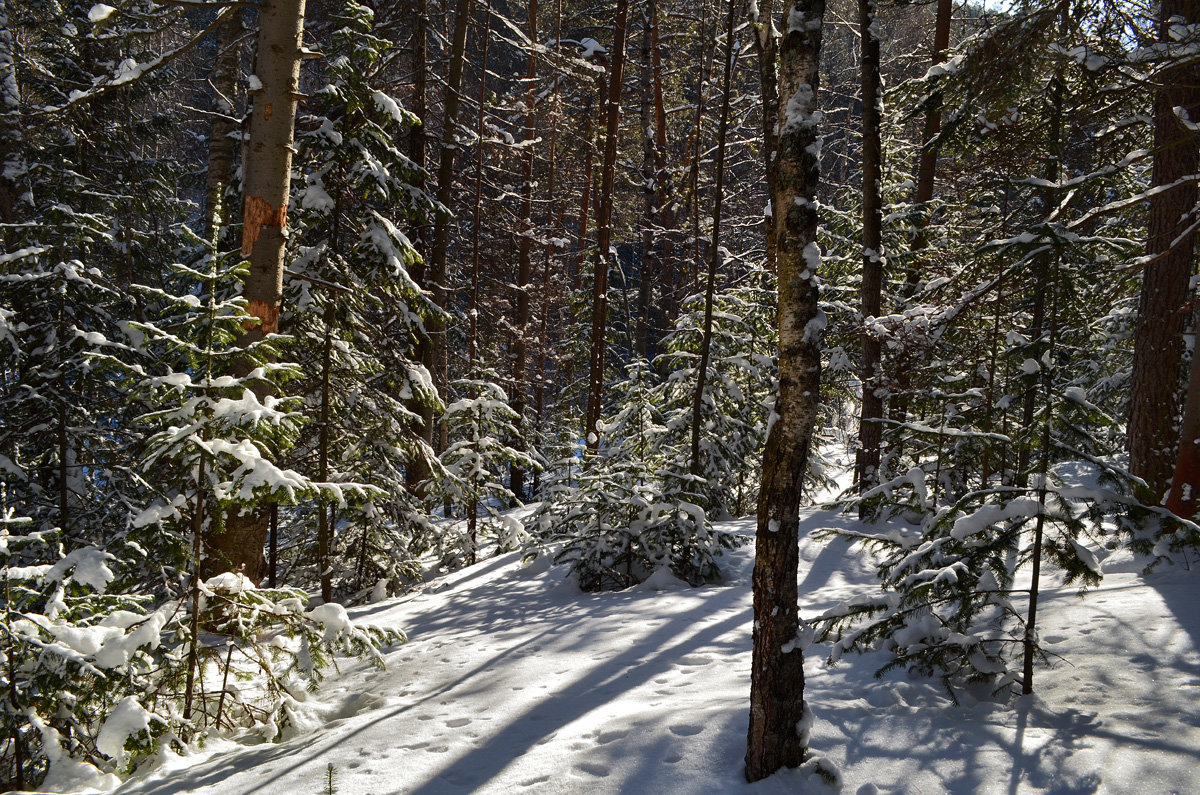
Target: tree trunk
[(1043, 263), (417, 471), (650, 266), (10, 129), (267, 166), (1185, 485), (516, 473), (539, 391), (608, 176), (666, 312), (870, 430), (768, 85), (1158, 345), (324, 530), (223, 79), (777, 706), (926, 177), (715, 253), (434, 357)]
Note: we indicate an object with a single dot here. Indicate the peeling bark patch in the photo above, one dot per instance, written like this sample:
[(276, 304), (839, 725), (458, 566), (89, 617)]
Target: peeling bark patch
[(267, 317), (268, 109), (256, 214)]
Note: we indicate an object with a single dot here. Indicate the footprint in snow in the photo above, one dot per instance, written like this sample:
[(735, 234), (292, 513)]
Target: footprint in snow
[(592, 768), (604, 738), (455, 723), (686, 729)]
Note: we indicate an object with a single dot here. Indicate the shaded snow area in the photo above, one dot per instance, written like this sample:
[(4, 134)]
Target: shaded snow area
[(514, 681)]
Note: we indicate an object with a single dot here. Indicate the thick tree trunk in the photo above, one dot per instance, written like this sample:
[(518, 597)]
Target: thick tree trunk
[(1158, 345), (266, 171), (223, 80), (516, 473), (1185, 484), (870, 430), (608, 174), (715, 253), (777, 707)]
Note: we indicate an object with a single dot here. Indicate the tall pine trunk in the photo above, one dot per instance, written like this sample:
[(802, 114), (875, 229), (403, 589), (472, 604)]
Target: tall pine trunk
[(267, 166), (11, 135), (1185, 483), (765, 45), (777, 710), (608, 176), (223, 79), (715, 253), (434, 352), (417, 472), (1158, 345), (870, 430), (926, 177), (516, 473)]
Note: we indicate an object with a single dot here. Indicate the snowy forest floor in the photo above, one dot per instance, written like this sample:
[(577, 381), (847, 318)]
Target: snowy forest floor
[(513, 681)]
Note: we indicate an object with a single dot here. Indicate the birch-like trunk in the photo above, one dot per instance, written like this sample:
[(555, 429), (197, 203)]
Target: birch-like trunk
[(777, 710)]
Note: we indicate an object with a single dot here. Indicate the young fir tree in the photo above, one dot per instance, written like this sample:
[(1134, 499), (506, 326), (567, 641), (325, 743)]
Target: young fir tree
[(360, 315), (739, 390), (478, 424), (626, 519)]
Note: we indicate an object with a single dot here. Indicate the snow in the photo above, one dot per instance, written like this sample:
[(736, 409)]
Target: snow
[(127, 719), (100, 12), (514, 681), (388, 107), (591, 47)]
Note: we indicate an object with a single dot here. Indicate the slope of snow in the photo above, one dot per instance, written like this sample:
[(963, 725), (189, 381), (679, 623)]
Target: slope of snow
[(515, 681)]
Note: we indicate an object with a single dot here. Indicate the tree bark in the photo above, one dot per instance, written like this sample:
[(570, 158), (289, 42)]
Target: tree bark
[(417, 471), (715, 253), (650, 264), (777, 706), (765, 45), (516, 473), (266, 171), (1185, 484), (324, 529), (666, 207), (870, 430), (11, 136), (223, 80), (926, 177), (434, 353), (608, 175), (1170, 247)]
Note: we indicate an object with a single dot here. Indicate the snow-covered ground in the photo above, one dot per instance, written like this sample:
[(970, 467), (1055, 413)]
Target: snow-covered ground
[(515, 681)]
